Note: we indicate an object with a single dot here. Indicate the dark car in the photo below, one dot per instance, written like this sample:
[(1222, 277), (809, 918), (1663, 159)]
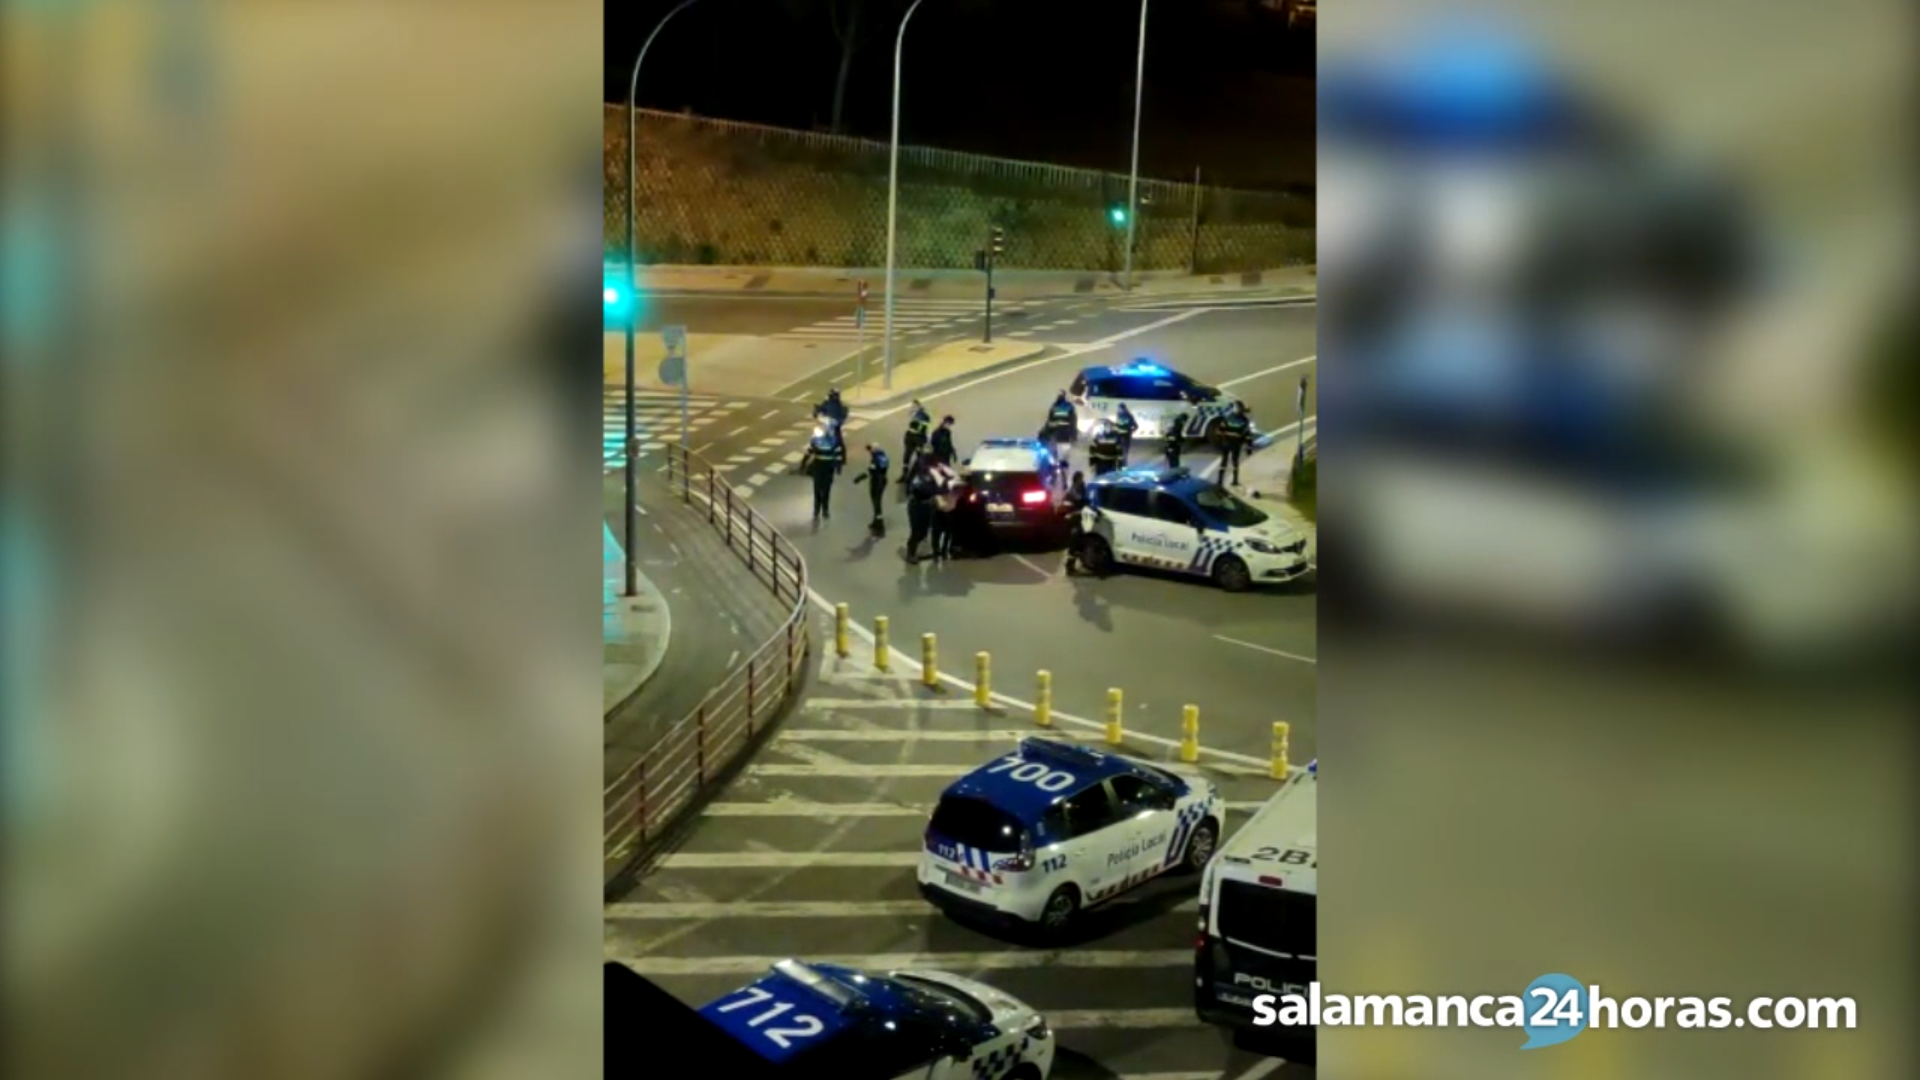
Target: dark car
[(1014, 487)]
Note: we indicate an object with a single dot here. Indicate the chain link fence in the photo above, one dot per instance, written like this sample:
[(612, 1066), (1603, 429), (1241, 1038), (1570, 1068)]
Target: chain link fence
[(717, 192)]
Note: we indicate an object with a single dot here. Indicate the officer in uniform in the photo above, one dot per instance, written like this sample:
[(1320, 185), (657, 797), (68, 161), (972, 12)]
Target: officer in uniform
[(1075, 504), (1062, 424), (921, 491), (824, 459), (1176, 434), (943, 442), (876, 478), (1106, 452), (1124, 425), (834, 410), (1236, 430), (915, 443)]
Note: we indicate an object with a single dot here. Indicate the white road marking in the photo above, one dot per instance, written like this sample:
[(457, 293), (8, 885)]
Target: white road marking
[(1265, 649), (770, 414), (795, 808), (1031, 565), (793, 458), (734, 659), (903, 662), (1266, 371), (896, 735), (735, 431), (775, 441), (734, 405), (703, 448), (756, 480), (740, 459), (788, 860), (799, 397), (1264, 1068), (800, 909), (898, 770), (657, 966)]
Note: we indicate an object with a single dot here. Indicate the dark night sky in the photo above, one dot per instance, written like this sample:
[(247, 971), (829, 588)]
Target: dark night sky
[(1047, 80)]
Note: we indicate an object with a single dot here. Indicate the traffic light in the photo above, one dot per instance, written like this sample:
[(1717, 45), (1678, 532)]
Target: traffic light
[(1117, 215), (999, 245)]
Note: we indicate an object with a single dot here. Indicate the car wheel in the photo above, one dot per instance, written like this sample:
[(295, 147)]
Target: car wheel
[(1200, 848), (1098, 555), (1232, 574), (1061, 909)]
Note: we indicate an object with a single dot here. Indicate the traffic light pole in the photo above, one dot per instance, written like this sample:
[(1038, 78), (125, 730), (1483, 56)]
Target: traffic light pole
[(989, 336), (1133, 174)]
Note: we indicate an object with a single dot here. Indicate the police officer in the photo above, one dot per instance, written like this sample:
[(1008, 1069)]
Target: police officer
[(834, 411), (1236, 430), (921, 491), (943, 442), (915, 443), (1124, 426), (1176, 435), (1062, 423), (824, 459), (876, 478), (1074, 504), (1105, 452)]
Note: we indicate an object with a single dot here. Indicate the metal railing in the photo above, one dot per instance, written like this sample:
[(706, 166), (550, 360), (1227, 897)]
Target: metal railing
[(648, 799)]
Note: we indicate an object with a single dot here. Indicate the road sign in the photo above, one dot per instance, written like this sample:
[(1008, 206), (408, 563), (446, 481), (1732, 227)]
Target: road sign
[(673, 370), (863, 292), (675, 338)]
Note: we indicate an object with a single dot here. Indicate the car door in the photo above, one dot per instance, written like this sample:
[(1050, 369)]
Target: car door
[(1179, 530), (1149, 818), (1094, 840), (1101, 401), (1125, 523)]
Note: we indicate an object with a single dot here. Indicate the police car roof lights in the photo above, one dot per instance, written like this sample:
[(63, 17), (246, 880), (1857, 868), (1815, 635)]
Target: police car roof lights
[(839, 993), (1064, 753)]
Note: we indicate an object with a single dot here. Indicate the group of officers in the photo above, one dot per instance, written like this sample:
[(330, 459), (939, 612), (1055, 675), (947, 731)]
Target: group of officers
[(934, 487)]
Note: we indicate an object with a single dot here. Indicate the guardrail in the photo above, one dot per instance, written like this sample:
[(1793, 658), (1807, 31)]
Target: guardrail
[(646, 801)]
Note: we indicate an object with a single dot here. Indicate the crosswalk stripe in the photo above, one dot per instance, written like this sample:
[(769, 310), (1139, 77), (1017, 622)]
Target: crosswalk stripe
[(668, 966)]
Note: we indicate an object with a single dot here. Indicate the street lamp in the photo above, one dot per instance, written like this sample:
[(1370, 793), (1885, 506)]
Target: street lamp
[(1133, 174), (893, 189), (633, 303)]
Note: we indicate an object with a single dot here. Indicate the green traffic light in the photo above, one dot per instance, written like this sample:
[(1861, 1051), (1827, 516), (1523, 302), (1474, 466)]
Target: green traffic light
[(1118, 214)]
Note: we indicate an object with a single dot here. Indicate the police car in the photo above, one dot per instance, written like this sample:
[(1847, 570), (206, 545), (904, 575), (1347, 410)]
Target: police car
[(830, 1020), (1041, 834), (1170, 519), (1152, 393)]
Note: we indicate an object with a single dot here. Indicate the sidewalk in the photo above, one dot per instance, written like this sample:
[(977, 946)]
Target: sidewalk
[(1263, 476), (724, 615), (966, 284), (635, 632)]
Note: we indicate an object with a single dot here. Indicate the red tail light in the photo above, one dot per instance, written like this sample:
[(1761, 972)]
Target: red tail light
[(1032, 497)]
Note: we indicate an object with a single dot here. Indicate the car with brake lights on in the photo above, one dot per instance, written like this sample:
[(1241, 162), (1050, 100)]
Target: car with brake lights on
[(1169, 519), (1014, 487), (1034, 838), (1153, 393), (830, 1020)]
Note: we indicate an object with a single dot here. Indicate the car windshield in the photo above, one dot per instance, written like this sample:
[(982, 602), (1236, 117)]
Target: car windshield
[(1227, 508), (942, 1001), (1001, 459)]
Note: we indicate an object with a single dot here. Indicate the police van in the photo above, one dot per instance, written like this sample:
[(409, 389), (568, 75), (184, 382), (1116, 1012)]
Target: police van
[(830, 1020), (1169, 519), (1037, 836), (1153, 394), (1257, 903)]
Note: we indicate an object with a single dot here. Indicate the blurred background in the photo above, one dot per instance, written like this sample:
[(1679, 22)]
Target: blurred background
[(1618, 526), (301, 539)]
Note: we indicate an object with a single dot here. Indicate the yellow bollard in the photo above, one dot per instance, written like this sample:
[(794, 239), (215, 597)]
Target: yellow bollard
[(840, 619), (880, 650), (1043, 700), (982, 679), (1190, 734), (1281, 730), (929, 668), (1114, 733)]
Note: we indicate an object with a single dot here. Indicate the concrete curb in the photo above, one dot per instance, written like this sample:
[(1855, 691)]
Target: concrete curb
[(657, 645), (812, 282), (905, 396)]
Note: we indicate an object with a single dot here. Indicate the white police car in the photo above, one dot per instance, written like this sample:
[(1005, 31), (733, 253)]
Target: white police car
[(1153, 393), (1170, 519), (901, 1025), (1039, 835)]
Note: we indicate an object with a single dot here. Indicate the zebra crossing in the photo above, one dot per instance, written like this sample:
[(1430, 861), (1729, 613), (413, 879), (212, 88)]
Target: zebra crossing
[(811, 853), (910, 316), (749, 442), (656, 420)]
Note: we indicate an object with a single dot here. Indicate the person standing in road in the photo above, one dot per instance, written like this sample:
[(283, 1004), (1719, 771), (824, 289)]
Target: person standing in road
[(921, 491), (1075, 505), (1104, 452), (876, 478), (1124, 425), (914, 445), (1236, 428), (943, 442), (1176, 434), (824, 459), (945, 506)]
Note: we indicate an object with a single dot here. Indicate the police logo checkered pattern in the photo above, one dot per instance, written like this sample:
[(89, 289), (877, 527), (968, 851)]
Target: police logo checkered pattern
[(996, 1064), (1184, 824), (1211, 548)]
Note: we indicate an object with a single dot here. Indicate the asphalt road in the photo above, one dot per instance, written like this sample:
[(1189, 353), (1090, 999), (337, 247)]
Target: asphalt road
[(1245, 660), (810, 853)]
